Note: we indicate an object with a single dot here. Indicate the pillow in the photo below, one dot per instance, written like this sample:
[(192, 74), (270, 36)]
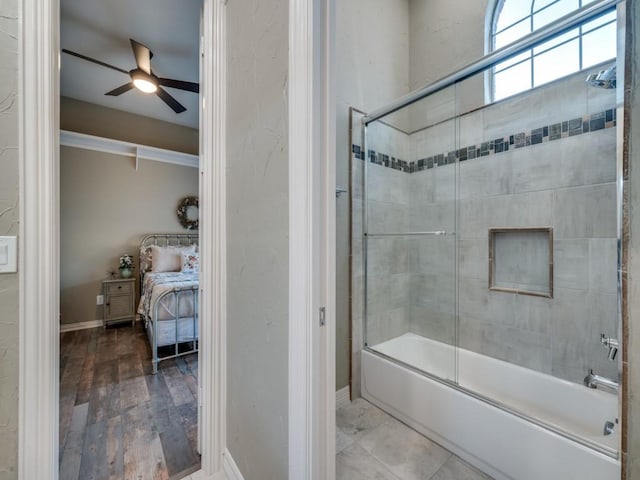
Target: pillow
[(168, 259), (190, 262), (145, 259)]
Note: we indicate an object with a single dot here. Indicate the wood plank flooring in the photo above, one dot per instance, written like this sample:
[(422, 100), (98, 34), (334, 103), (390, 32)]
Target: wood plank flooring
[(118, 421)]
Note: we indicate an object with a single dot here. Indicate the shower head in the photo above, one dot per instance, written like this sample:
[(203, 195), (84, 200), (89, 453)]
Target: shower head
[(604, 78)]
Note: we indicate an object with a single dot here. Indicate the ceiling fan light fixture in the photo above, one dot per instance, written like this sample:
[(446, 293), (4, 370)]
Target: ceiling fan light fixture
[(143, 77), (143, 82), (145, 85)]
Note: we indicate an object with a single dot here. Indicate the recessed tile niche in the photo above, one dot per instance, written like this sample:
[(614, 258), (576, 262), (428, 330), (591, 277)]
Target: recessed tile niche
[(521, 260)]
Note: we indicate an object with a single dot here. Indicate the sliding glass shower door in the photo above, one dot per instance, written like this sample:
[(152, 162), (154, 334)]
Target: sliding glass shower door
[(490, 249), (410, 246)]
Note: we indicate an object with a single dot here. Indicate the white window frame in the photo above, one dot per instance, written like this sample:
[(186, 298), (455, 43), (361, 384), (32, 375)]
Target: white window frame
[(491, 20)]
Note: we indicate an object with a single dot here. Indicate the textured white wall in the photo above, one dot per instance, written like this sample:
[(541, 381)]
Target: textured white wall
[(257, 243), (9, 206), (444, 36)]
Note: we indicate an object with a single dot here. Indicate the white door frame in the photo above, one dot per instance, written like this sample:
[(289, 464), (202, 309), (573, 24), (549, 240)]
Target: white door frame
[(312, 228), (312, 204), (39, 269)]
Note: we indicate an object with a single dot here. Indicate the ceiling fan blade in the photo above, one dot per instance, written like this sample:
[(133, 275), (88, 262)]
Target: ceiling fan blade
[(121, 89), (188, 86), (89, 59), (143, 56), (169, 100)]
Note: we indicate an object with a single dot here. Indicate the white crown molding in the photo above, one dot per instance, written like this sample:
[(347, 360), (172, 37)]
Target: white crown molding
[(127, 149)]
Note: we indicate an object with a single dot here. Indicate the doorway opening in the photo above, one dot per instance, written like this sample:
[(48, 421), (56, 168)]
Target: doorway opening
[(113, 392), (128, 160)]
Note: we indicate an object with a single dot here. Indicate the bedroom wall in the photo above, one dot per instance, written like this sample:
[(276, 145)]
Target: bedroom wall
[(257, 237), (9, 211), (83, 117), (106, 207)]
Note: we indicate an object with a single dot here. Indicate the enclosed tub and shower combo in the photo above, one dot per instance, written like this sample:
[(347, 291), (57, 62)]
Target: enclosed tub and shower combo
[(485, 274)]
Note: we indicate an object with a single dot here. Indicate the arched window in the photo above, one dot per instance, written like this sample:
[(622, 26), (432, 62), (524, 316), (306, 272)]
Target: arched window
[(587, 45)]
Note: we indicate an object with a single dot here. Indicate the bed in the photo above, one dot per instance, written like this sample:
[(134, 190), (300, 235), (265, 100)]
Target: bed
[(169, 294)]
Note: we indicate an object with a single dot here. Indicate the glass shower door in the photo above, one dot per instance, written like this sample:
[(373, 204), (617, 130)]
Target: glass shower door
[(537, 240), (410, 208), (491, 250)]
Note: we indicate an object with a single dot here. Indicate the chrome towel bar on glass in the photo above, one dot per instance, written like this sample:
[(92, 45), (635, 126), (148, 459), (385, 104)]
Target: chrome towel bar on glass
[(437, 233)]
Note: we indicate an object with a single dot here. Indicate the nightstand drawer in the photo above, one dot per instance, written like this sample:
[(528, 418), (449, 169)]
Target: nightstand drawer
[(120, 288)]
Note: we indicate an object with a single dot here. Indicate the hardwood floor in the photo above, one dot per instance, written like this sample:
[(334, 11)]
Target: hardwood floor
[(117, 419)]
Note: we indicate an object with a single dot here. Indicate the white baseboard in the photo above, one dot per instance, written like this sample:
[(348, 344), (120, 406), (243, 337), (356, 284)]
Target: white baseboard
[(199, 475), (231, 470), (343, 397), (70, 327)]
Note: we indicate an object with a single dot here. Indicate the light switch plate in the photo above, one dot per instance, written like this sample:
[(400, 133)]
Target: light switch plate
[(8, 254)]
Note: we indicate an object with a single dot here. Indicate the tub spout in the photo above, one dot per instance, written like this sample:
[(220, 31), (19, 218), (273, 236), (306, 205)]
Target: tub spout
[(595, 381), (610, 343)]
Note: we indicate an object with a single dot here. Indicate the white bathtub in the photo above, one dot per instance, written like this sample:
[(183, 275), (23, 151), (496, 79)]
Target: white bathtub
[(502, 444)]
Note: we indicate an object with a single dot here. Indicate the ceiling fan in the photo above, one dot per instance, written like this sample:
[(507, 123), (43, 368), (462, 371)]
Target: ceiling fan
[(143, 78)]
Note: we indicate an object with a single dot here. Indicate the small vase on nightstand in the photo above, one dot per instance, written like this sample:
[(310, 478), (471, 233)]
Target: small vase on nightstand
[(125, 272)]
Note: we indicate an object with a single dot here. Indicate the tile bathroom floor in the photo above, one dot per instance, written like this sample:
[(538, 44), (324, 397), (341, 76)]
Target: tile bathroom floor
[(372, 445)]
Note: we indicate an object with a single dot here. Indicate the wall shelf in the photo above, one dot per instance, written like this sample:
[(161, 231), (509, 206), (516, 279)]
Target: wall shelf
[(128, 149)]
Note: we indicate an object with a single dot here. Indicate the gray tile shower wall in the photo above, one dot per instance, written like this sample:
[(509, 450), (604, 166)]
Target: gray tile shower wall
[(559, 175), (568, 185)]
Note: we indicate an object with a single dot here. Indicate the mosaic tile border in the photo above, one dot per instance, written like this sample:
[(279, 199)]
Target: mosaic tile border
[(547, 133), (382, 159)]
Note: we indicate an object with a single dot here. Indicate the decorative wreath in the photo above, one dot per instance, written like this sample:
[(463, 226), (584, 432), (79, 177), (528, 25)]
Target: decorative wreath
[(182, 213)]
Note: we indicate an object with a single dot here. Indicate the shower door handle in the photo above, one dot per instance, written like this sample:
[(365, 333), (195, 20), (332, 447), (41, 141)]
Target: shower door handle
[(436, 233)]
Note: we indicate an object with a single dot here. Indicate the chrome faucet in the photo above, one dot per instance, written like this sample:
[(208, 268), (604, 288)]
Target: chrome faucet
[(612, 344), (594, 381)]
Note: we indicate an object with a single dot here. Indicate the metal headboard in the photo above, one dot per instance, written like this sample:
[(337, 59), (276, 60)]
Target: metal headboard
[(165, 240)]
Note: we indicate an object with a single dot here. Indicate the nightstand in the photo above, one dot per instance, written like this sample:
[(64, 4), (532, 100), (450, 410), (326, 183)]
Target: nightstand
[(119, 300)]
